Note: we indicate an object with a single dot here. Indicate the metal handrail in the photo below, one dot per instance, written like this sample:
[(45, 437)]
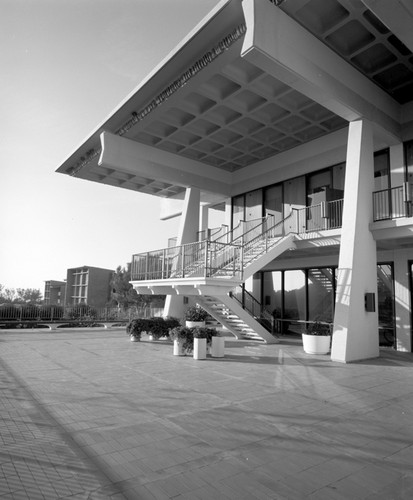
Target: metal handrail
[(257, 310), (222, 258), (242, 227), (213, 233), (393, 203)]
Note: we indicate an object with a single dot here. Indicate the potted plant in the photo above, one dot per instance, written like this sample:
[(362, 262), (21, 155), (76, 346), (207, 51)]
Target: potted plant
[(217, 344), (317, 338), (200, 336), (182, 338), (135, 328), (195, 316), (170, 323)]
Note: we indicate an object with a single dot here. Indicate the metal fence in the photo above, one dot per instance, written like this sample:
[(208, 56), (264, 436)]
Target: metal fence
[(80, 313)]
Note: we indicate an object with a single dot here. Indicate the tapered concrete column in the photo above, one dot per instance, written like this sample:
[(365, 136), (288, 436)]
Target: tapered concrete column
[(403, 301), (204, 218), (355, 334), (189, 225)]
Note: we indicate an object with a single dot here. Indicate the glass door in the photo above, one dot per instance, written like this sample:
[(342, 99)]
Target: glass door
[(385, 291)]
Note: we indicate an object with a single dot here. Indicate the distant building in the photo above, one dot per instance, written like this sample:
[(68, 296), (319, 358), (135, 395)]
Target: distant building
[(88, 285), (54, 293)]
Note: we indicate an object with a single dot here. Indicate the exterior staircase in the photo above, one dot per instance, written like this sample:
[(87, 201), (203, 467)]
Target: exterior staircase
[(231, 315), (209, 270)]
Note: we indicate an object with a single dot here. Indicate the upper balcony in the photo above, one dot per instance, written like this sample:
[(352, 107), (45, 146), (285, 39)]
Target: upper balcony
[(226, 255), (393, 203)]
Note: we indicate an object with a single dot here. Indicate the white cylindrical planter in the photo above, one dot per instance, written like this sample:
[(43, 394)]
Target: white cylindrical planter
[(193, 324), (217, 347), (179, 348), (199, 348), (316, 344)]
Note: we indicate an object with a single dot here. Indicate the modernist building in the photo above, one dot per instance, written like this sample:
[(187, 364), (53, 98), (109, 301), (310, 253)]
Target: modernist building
[(54, 293), (88, 285), (296, 119)]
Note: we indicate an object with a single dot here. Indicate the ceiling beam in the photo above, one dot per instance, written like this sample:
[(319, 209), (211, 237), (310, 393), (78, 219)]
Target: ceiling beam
[(284, 49), (126, 155), (397, 15)]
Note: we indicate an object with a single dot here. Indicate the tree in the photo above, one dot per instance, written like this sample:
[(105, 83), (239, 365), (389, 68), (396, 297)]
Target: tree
[(20, 296), (7, 295), (124, 295), (28, 296)]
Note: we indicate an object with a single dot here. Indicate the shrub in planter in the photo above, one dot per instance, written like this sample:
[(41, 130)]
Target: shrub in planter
[(196, 314), (184, 336), (136, 327), (202, 332), (317, 338), (200, 342), (156, 327), (318, 328), (171, 323)]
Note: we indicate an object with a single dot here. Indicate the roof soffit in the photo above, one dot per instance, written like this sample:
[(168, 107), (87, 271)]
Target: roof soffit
[(230, 115)]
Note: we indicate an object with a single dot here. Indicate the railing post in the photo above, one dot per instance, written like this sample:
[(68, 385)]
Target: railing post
[(323, 213), (206, 258), (163, 263), (406, 198), (147, 265), (183, 261)]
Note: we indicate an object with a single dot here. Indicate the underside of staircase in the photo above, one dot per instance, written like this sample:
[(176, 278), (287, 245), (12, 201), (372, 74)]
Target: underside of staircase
[(227, 312)]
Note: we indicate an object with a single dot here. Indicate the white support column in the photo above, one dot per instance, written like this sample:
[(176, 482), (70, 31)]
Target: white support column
[(355, 334), (203, 225), (174, 305), (228, 212), (403, 301)]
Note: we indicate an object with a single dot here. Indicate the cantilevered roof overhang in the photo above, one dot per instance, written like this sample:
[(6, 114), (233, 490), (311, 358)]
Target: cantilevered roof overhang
[(250, 82)]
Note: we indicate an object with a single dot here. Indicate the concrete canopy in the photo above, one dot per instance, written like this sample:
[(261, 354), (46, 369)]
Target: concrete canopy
[(233, 95)]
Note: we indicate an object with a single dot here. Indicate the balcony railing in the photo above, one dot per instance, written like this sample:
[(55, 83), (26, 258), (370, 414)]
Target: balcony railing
[(227, 255), (393, 203)]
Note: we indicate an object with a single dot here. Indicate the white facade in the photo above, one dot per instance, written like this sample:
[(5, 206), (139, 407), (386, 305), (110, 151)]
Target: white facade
[(297, 118)]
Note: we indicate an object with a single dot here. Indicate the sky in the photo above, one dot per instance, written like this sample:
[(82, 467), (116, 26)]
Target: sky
[(65, 65)]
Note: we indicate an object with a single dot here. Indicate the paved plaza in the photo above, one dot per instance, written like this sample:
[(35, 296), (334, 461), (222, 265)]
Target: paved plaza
[(87, 414)]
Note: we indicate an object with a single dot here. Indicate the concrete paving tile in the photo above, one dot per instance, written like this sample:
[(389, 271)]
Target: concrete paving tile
[(400, 489), (265, 414)]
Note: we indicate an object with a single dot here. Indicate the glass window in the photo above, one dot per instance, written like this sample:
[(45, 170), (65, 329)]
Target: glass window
[(253, 205), (294, 294), (409, 165), (320, 294), (238, 209), (339, 172), (273, 203), (385, 303), (317, 186), (381, 171), (272, 292)]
